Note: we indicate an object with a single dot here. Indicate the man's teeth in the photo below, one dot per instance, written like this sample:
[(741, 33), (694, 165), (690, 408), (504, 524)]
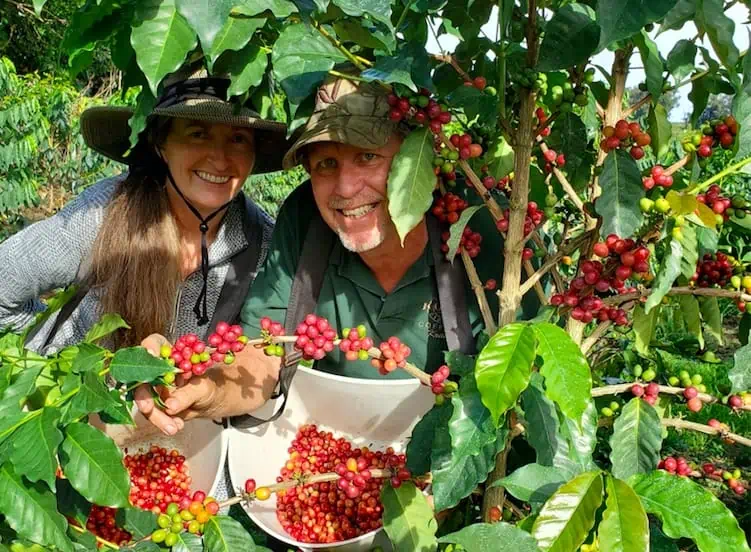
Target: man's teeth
[(358, 211), (212, 177)]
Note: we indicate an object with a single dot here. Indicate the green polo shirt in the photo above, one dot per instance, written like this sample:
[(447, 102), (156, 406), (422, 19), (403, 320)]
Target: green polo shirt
[(351, 295)]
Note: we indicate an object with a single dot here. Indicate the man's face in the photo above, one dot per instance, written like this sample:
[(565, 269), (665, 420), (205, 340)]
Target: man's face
[(349, 186)]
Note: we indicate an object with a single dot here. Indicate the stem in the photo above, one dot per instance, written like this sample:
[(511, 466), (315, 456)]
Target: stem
[(100, 540), (704, 292), (678, 165), (685, 424), (598, 332), (720, 175), (451, 60), (565, 184), (479, 290), (403, 16), (665, 389), (569, 248), (557, 279), (530, 270), (359, 63), (495, 496), (501, 87), (634, 108)]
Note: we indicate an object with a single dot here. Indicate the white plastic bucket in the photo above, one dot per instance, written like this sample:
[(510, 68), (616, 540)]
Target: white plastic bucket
[(202, 442), (369, 412)]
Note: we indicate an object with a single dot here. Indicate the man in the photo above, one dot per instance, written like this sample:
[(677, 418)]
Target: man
[(336, 250)]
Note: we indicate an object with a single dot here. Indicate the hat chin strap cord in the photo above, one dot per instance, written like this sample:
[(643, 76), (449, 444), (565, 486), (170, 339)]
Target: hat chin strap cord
[(201, 307)]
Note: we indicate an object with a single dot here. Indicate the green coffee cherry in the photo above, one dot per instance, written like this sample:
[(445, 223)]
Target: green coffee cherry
[(605, 411), (648, 374), (637, 370), (673, 381), (614, 406)]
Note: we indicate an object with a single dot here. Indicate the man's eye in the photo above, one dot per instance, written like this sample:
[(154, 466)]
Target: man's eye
[(241, 139), (328, 163), (369, 156)]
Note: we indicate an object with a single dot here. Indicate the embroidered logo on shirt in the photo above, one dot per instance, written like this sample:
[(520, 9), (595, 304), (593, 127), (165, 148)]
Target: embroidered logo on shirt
[(435, 320)]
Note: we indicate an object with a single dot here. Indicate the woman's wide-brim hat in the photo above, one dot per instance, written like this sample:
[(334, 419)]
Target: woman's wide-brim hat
[(188, 94)]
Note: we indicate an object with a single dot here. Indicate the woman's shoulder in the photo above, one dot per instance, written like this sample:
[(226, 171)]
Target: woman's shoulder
[(98, 194)]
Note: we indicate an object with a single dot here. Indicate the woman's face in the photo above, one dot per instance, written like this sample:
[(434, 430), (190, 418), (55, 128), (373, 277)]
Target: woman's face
[(208, 161)]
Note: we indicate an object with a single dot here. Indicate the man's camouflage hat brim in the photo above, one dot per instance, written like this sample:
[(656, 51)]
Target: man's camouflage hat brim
[(348, 112)]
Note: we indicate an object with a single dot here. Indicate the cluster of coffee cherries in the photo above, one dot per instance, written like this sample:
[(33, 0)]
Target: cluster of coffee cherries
[(355, 343), (324, 512), (645, 375), (190, 515), (567, 94), (269, 330), (438, 380), (731, 478), (101, 522), (534, 218), (625, 135), (449, 207), (490, 183), (419, 108), (469, 242), (718, 132), (553, 159), (713, 270), (610, 410), (676, 466), (657, 177), (157, 478), (193, 356), (693, 402), (315, 337), (649, 393), (481, 83), (465, 145), (394, 353), (444, 163), (737, 401), (542, 118), (684, 379), (715, 201)]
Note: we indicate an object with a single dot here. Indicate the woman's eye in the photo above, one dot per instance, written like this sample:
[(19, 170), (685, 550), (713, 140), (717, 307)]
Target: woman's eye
[(241, 139), (198, 134)]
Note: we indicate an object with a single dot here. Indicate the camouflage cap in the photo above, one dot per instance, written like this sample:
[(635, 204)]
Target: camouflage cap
[(348, 112)]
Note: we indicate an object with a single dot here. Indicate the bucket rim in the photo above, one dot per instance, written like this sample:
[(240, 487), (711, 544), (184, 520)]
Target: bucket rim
[(406, 382)]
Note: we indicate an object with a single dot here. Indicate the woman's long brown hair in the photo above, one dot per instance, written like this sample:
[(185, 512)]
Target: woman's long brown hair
[(135, 266)]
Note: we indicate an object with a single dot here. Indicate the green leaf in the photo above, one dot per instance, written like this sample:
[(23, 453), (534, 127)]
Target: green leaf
[(137, 365), (421, 442), (669, 271), (90, 358), (224, 534), (689, 510), (118, 411), (582, 438), (621, 191), (496, 537), (234, 35), (379, 10), (351, 31), (644, 328), (542, 424), (660, 129), (742, 110), (34, 447), (140, 523), (699, 96), (279, 8), (619, 20), (720, 29), (652, 62), (690, 248), (411, 181), (504, 366), (740, 373), (302, 57), (571, 37), (31, 511), (107, 324), (162, 39), (408, 519), (461, 365), (70, 503), (456, 230), (683, 12), (712, 317), (532, 483), (94, 465), (575, 143), (499, 158), (624, 527), (390, 70), (681, 59), (144, 105), (474, 103), (658, 542), (567, 377), (38, 5), (566, 519), (188, 542), (636, 439), (470, 425), (690, 310), (91, 398), (206, 17), (245, 68)]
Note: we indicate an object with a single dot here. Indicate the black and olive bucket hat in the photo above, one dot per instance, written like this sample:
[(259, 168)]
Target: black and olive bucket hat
[(190, 93)]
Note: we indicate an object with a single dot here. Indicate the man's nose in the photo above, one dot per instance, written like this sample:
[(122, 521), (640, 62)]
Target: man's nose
[(349, 180)]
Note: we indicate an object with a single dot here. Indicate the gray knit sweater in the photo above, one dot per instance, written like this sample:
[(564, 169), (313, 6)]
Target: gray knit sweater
[(47, 255)]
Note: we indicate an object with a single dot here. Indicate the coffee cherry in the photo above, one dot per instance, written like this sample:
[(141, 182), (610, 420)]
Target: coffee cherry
[(694, 405)]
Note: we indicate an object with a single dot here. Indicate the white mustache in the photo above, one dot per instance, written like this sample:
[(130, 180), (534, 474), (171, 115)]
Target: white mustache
[(340, 204)]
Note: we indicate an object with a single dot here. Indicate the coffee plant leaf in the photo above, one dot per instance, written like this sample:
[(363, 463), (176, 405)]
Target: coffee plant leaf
[(245, 67), (540, 414), (712, 317), (711, 18), (568, 381), (54, 304), (621, 191), (38, 5), (644, 328), (496, 537), (499, 158), (567, 517), (699, 96), (690, 257), (423, 435), (411, 182), (278, 8), (660, 129), (470, 426), (504, 367), (392, 70), (636, 440), (91, 397), (188, 542), (653, 64), (30, 509), (147, 546), (145, 103), (740, 373), (571, 37), (619, 20), (107, 324), (575, 143), (301, 57), (234, 36), (206, 18), (224, 534), (742, 111), (408, 519), (94, 465), (669, 270), (581, 436), (162, 39), (692, 317), (532, 483), (23, 385), (682, 59), (349, 30), (118, 411), (459, 364), (683, 12), (82, 542), (658, 541), (456, 230), (137, 365), (688, 510), (140, 523), (475, 103), (625, 526), (379, 10), (70, 503), (90, 358), (34, 447)]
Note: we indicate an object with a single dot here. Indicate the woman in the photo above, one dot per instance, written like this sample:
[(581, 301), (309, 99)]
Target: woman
[(170, 244)]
